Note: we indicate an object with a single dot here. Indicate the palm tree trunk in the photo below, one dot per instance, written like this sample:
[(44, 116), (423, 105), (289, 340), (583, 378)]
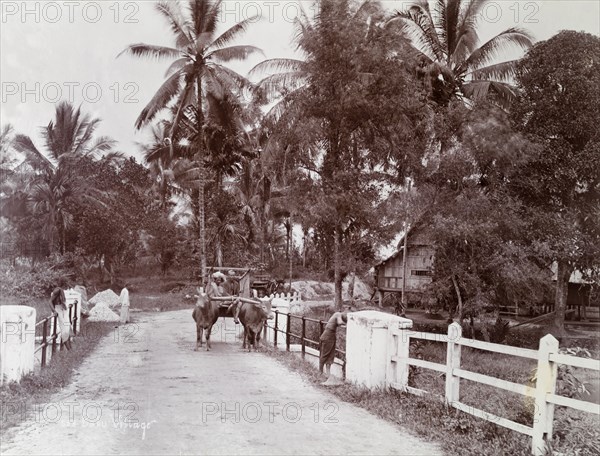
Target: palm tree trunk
[(351, 284), (459, 298), (337, 273), (563, 273), (219, 252), (201, 182), (304, 248), (265, 198), (291, 256), (63, 236)]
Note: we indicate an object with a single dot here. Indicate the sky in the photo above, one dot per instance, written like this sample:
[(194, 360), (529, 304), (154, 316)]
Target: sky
[(51, 51)]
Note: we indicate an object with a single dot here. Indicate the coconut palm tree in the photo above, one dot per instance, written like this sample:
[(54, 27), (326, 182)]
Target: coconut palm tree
[(171, 175), (51, 181), (452, 59), (197, 71)]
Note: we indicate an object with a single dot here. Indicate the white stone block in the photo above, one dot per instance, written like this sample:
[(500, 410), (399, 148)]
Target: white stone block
[(17, 342)]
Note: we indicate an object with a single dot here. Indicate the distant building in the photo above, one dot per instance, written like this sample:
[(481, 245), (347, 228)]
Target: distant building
[(419, 266)]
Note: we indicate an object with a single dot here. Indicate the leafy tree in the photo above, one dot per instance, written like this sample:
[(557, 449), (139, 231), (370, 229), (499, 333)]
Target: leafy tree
[(110, 233), (483, 260), (559, 111), (451, 58), (196, 73), (54, 181), (225, 226)]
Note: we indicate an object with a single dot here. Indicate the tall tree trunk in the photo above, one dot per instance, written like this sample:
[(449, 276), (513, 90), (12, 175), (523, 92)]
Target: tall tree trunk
[(288, 230), (219, 252), (100, 269), (351, 286), (63, 237), (337, 273), (563, 274), (51, 241), (459, 299), (304, 247), (201, 182), (291, 249), (266, 195)]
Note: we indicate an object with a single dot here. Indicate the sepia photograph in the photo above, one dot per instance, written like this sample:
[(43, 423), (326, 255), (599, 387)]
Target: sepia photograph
[(300, 227)]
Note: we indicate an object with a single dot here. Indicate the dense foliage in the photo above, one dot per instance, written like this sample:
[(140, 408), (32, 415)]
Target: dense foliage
[(387, 122)]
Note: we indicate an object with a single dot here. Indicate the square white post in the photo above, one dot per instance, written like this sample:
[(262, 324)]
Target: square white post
[(545, 384), (283, 307), (453, 362), (71, 296), (17, 342), (368, 347)]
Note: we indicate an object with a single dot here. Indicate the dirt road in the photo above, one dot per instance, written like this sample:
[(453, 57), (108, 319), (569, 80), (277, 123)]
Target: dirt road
[(145, 391)]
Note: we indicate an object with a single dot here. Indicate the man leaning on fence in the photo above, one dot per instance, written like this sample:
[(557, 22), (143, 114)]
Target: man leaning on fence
[(58, 307), (328, 339)]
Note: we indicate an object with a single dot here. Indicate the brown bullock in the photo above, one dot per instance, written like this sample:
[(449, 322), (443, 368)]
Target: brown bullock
[(206, 314), (253, 317)]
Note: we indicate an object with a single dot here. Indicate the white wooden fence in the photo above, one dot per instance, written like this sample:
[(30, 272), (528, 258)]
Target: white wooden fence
[(291, 298), (547, 356)]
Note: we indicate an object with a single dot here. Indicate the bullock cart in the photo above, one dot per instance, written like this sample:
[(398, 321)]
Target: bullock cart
[(248, 293)]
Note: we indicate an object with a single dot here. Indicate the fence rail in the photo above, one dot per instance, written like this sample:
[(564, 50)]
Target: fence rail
[(340, 354), (547, 356), (51, 322)]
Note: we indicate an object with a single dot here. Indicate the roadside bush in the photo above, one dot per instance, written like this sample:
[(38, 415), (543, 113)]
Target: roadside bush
[(38, 282)]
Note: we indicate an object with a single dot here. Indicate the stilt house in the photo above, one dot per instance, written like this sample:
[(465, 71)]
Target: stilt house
[(417, 268)]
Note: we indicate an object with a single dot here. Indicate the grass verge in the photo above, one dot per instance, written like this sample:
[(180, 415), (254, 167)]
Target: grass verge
[(17, 400), (456, 432)]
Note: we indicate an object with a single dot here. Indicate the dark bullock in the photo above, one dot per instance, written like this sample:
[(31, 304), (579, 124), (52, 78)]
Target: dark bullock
[(205, 315), (253, 317)]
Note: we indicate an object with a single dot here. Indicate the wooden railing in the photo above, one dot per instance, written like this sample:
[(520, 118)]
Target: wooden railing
[(340, 354), (543, 393), (50, 324)]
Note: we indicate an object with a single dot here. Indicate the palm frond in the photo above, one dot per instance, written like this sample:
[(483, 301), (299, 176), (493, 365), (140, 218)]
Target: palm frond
[(415, 34), (151, 51), (83, 136), (101, 144), (178, 66), (275, 85), (183, 101), (503, 71), (171, 10), (34, 157), (369, 9), (235, 82), (234, 53), (205, 15), (167, 91), (233, 32), (502, 93), (505, 41), (277, 65), (420, 14), (451, 24)]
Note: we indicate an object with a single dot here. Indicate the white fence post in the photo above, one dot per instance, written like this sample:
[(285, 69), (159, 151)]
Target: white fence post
[(400, 347), (17, 342), (545, 384), (453, 362), (368, 344), (71, 296)]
